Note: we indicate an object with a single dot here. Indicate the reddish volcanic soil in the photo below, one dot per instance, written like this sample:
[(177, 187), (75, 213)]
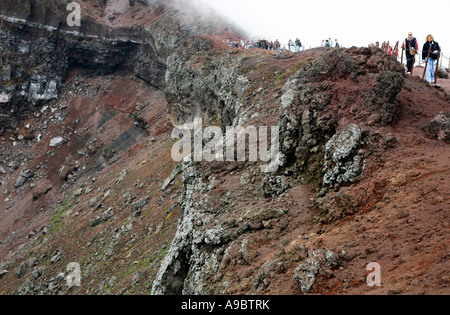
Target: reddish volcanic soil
[(398, 218), (400, 213)]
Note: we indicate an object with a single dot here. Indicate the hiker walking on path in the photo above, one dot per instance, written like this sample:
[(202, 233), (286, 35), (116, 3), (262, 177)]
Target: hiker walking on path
[(430, 51), (411, 47)]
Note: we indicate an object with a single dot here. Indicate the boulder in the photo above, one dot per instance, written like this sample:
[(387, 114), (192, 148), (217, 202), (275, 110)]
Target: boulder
[(344, 161), (439, 127), (56, 141), (442, 74), (23, 177), (320, 262)]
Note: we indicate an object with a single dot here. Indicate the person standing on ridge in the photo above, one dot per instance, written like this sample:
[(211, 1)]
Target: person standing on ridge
[(290, 44), (433, 48), (336, 44), (277, 45), (411, 46), (298, 45)]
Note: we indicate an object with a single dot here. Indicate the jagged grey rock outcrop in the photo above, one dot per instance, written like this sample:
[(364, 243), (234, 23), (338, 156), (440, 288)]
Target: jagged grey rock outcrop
[(192, 258), (175, 267), (23, 177), (319, 100), (439, 128), (138, 205), (321, 261), (273, 185), (344, 160), (214, 90), (174, 270)]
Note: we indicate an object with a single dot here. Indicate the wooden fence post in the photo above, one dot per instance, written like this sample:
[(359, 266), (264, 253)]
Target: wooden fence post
[(426, 63), (437, 66)]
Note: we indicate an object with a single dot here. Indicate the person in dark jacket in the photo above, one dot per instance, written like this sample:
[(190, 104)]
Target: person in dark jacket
[(298, 45), (432, 47), (410, 44)]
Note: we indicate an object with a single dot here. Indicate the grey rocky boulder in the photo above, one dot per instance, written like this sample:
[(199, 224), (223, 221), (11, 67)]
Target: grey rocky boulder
[(439, 127), (23, 177), (320, 262), (344, 160)]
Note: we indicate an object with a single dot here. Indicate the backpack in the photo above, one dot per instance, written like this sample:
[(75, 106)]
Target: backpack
[(412, 50)]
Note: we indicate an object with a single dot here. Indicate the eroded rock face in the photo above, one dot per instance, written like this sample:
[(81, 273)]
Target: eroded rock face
[(322, 121), (172, 276), (328, 109), (48, 12), (212, 87), (36, 60), (340, 87)]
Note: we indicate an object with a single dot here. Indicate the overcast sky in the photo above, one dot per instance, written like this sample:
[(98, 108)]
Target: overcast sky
[(352, 22)]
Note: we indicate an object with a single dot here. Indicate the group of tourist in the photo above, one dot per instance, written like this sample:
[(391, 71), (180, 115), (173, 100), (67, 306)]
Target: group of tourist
[(329, 43), (269, 45), (297, 45), (410, 46), (247, 44), (265, 44), (276, 45)]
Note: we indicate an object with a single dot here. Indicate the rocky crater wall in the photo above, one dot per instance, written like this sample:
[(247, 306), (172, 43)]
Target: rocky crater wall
[(35, 62)]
